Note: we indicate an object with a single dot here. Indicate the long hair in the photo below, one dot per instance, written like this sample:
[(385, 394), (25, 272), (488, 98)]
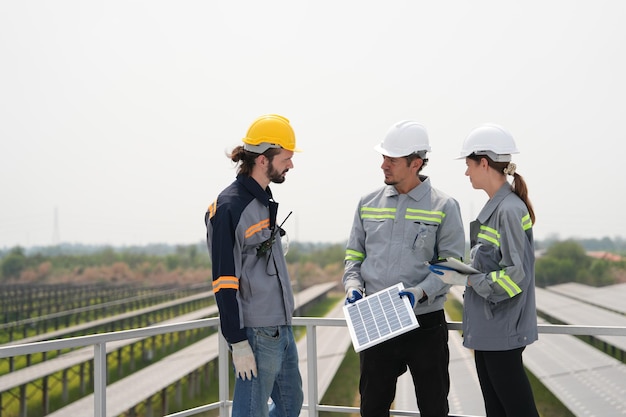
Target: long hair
[(247, 159), (519, 185)]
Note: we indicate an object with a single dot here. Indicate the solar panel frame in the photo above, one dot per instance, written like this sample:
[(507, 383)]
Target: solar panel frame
[(379, 317)]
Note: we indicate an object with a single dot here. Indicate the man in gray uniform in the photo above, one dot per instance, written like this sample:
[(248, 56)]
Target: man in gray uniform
[(396, 229)]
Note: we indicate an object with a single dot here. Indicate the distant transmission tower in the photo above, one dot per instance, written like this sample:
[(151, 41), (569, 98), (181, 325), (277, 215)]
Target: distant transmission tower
[(56, 238)]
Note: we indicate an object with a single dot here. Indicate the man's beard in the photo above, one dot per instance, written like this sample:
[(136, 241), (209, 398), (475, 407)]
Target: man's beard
[(274, 175)]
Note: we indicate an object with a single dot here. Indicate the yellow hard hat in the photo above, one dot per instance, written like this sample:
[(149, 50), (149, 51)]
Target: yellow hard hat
[(270, 131)]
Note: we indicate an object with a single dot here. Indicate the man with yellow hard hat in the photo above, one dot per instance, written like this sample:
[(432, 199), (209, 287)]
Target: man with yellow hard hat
[(250, 279)]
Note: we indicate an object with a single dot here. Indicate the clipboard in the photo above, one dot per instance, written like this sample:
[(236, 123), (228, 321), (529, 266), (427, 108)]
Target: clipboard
[(457, 265)]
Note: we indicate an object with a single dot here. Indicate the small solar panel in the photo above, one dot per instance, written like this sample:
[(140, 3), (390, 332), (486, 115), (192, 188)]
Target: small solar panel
[(379, 317)]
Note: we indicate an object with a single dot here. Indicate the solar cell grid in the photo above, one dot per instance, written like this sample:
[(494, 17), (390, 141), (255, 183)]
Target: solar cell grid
[(379, 317)]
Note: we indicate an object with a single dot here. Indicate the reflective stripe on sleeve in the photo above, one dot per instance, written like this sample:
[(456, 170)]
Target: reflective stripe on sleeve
[(352, 255), (503, 280), (211, 209), (225, 282), (490, 235), (527, 223)]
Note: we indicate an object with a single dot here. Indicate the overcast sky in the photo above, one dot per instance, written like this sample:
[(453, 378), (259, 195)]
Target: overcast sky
[(115, 116)]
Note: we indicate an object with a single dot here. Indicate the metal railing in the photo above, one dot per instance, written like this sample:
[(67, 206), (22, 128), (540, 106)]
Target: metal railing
[(99, 341)]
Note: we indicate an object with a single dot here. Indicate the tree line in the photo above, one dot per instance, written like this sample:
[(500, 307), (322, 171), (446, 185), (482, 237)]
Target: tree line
[(559, 262), (309, 263), (101, 264), (568, 261)]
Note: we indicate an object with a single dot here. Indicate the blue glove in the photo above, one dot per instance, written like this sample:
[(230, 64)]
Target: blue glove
[(414, 294), (448, 275), (439, 269), (353, 294)]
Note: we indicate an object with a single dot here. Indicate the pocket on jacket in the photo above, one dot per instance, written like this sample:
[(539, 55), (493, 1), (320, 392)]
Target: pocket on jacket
[(487, 309), (422, 235), (373, 225), (253, 241)]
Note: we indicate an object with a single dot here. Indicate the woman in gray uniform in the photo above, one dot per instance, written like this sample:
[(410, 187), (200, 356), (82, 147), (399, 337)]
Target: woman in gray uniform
[(499, 313)]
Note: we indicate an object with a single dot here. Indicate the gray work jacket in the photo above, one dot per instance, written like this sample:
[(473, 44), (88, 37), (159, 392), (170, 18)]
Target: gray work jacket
[(251, 289), (499, 305), (393, 235)]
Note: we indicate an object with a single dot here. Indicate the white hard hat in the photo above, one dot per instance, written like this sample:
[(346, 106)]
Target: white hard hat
[(491, 140), (404, 138)]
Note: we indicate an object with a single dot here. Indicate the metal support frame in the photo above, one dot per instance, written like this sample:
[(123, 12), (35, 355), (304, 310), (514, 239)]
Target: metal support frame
[(100, 379), (99, 341)]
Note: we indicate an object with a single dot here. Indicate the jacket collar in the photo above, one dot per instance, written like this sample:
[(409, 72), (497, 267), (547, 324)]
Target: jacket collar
[(253, 187), (494, 202), (416, 193)]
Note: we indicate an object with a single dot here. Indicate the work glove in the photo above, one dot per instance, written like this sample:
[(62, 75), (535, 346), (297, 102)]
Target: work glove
[(243, 359), (448, 275), (413, 293), (353, 294)]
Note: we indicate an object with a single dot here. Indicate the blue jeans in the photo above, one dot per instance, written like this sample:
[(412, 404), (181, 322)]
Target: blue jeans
[(278, 376)]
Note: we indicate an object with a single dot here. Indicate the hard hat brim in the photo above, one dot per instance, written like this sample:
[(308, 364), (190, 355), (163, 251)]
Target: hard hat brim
[(264, 146), (492, 155), (379, 148)]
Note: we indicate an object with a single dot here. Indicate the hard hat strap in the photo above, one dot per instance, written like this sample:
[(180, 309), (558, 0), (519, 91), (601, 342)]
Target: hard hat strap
[(494, 156), (260, 148)]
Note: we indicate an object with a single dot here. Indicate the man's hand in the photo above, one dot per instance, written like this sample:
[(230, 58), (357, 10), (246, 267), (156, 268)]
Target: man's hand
[(448, 275), (353, 294), (413, 293), (243, 359)]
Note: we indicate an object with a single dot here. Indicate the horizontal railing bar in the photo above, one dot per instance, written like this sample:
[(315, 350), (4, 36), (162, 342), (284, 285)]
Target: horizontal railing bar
[(101, 306), (572, 329), (81, 341), (355, 410), (309, 322), (579, 330), (196, 410)]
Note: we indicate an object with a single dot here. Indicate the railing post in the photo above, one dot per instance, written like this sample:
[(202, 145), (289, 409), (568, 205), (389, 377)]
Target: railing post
[(99, 379), (223, 374), (311, 363)]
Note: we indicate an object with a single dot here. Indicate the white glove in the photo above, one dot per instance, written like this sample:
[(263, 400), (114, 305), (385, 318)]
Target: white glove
[(243, 359), (353, 294), (448, 275), (414, 293)]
